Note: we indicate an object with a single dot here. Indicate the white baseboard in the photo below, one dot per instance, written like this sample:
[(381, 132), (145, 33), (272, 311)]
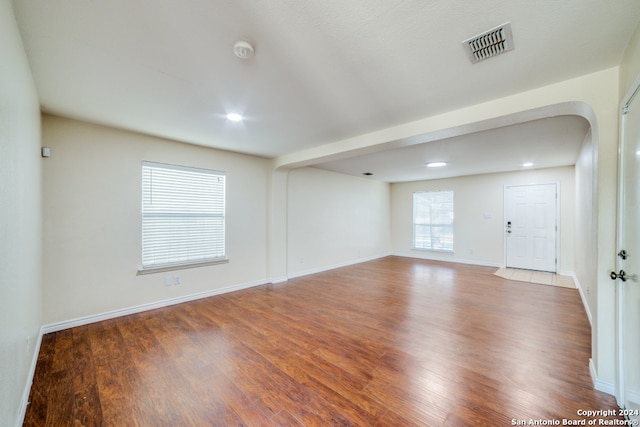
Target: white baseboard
[(433, 256), (59, 326), (30, 375), (66, 324), (583, 298), (334, 266), (633, 396), (275, 280), (598, 384)]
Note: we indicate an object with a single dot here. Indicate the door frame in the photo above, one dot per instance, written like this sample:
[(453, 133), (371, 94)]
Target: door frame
[(633, 92), (557, 213)]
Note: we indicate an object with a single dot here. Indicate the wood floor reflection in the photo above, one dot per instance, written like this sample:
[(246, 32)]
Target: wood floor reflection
[(391, 342)]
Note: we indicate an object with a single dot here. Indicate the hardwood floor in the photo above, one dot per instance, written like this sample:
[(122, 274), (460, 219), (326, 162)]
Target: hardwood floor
[(391, 342)]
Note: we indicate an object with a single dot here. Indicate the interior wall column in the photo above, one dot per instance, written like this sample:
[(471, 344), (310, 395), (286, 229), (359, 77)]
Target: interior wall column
[(277, 226)]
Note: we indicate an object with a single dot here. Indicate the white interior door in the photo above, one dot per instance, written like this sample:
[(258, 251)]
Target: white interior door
[(531, 226), (628, 264)]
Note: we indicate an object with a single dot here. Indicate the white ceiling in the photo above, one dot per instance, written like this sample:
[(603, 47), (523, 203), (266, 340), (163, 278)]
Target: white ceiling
[(323, 71), (498, 150)]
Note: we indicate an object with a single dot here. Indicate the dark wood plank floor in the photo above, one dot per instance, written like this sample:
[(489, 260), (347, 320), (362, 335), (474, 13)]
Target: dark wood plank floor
[(391, 342)]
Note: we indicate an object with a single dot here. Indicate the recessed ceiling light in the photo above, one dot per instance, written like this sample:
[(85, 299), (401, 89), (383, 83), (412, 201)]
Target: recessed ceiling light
[(367, 173), (234, 117), (436, 164), (527, 165)]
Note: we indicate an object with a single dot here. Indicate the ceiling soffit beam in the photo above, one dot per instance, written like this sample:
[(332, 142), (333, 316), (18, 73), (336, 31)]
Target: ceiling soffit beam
[(352, 148)]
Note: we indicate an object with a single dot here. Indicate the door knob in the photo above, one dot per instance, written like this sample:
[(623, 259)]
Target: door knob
[(621, 275)]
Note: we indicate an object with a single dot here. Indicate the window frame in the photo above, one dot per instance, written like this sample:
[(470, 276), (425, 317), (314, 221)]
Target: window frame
[(439, 226), (197, 217)]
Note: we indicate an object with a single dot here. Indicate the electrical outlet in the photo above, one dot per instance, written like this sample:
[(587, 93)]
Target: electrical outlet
[(176, 280), (168, 281)]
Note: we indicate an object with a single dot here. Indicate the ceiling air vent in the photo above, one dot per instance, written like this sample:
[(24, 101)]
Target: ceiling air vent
[(490, 43)]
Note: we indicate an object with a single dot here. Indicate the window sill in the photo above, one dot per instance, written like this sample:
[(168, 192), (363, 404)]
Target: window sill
[(180, 267), (440, 251)]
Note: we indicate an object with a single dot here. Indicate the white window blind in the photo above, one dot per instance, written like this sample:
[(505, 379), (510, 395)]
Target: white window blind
[(183, 215), (433, 220)]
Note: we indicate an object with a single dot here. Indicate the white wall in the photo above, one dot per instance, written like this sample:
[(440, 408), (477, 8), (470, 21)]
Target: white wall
[(630, 65), (479, 215), (585, 224), (20, 221), (334, 219), (92, 199)]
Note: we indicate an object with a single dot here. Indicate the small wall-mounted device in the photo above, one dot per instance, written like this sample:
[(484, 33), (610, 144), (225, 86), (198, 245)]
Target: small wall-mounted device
[(45, 152)]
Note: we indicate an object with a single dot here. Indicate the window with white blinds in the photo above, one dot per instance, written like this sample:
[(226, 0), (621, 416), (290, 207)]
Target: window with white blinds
[(183, 216), (433, 220)]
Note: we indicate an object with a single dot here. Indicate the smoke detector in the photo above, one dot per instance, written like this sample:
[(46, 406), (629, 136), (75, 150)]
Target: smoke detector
[(243, 49), (491, 43)]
